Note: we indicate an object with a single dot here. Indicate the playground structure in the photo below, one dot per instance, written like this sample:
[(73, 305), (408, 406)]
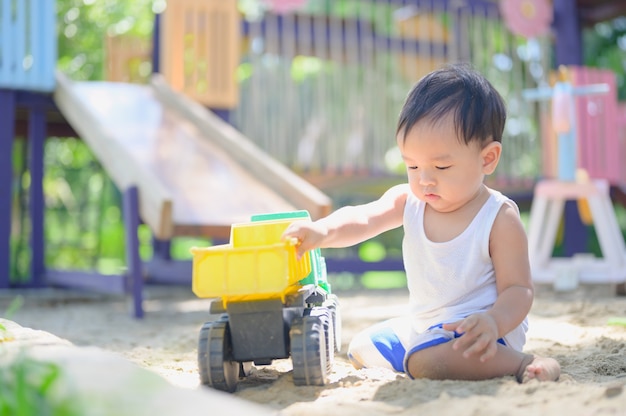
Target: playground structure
[(346, 154), (320, 90), (169, 156), (273, 305), (332, 123), (583, 148)]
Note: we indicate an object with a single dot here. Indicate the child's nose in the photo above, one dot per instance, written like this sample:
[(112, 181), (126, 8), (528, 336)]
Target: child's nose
[(426, 178)]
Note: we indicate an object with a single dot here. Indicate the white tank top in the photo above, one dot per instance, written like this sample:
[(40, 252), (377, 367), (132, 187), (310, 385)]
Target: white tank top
[(450, 280)]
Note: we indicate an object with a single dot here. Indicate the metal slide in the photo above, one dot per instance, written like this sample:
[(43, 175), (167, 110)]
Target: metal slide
[(195, 174)]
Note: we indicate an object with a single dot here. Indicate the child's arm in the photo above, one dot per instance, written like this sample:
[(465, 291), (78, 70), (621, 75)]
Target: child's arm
[(509, 252), (508, 247), (351, 225)]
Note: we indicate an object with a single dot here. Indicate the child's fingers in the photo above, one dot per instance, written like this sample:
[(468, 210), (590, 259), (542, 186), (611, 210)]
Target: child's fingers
[(477, 346), (492, 348), (462, 326), (300, 249), (464, 342), (452, 326)]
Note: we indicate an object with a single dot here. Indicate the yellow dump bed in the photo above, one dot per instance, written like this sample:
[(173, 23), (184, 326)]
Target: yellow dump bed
[(255, 265)]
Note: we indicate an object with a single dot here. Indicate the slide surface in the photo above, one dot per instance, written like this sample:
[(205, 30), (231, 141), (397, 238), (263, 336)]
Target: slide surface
[(196, 175)]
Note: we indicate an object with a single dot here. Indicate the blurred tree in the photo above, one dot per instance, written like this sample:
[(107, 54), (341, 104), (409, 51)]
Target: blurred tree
[(604, 46), (84, 24)]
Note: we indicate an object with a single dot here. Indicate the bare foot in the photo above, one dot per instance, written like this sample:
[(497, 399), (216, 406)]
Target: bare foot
[(538, 368)]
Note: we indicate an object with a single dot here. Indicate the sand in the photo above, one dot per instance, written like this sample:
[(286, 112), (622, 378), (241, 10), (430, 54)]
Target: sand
[(573, 327)]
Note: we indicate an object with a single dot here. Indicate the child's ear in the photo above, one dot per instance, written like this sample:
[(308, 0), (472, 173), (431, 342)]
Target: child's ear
[(491, 156)]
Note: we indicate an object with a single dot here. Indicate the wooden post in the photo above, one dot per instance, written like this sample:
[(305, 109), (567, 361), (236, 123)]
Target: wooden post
[(134, 273), (7, 133), (36, 138)]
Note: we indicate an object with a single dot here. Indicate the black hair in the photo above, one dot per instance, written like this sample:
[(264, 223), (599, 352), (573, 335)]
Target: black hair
[(459, 90)]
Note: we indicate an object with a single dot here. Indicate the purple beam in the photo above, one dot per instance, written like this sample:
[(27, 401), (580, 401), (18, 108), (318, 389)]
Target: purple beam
[(156, 44), (84, 280), (162, 249), (7, 135), (222, 113), (568, 51), (356, 265), (591, 14), (36, 139), (133, 261), (364, 30), (568, 37), (169, 272), (430, 4)]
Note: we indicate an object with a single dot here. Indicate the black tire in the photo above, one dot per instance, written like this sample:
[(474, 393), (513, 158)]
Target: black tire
[(325, 316), (308, 351), (217, 369), (332, 303)]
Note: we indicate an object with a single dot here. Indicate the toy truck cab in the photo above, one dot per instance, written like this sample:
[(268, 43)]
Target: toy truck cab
[(272, 305)]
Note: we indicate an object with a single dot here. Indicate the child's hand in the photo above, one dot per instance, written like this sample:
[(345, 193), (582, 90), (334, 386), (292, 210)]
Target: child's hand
[(479, 336), (309, 234)]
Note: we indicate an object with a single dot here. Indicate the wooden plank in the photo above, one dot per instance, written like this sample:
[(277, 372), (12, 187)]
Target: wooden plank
[(200, 50), (125, 55)]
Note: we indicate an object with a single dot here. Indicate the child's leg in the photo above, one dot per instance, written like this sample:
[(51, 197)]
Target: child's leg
[(381, 346), (443, 362)]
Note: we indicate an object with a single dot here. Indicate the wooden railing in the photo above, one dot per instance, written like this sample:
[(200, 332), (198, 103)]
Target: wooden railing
[(200, 52), (28, 45)]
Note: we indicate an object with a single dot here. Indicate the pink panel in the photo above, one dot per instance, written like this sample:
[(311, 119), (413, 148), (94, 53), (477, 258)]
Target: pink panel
[(621, 137), (597, 125)]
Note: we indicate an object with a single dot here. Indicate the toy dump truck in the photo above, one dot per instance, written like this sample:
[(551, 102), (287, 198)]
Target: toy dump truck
[(272, 305)]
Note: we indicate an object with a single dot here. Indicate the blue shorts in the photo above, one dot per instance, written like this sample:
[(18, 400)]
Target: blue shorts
[(389, 344)]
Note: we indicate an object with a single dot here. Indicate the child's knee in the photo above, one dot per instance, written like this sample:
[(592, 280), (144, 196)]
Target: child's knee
[(376, 349), (362, 353)]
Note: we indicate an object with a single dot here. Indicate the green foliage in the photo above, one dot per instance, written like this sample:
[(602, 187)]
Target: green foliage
[(84, 24), (604, 46), (14, 306), (384, 280), (29, 387), (83, 218), (372, 251)]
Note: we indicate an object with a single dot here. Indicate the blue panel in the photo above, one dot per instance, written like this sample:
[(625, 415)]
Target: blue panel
[(6, 26), (29, 45), (19, 36), (48, 54), (36, 44)]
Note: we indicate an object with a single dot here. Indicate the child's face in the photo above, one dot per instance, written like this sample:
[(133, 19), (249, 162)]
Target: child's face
[(443, 171)]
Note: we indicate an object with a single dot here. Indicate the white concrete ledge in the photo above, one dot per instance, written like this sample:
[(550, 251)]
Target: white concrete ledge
[(108, 384)]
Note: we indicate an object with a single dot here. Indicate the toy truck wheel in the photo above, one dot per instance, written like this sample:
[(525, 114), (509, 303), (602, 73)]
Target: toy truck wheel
[(215, 363), (332, 303), (326, 318), (308, 350)]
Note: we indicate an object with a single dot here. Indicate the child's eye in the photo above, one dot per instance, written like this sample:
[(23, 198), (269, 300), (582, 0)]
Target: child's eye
[(412, 167), (442, 167)]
